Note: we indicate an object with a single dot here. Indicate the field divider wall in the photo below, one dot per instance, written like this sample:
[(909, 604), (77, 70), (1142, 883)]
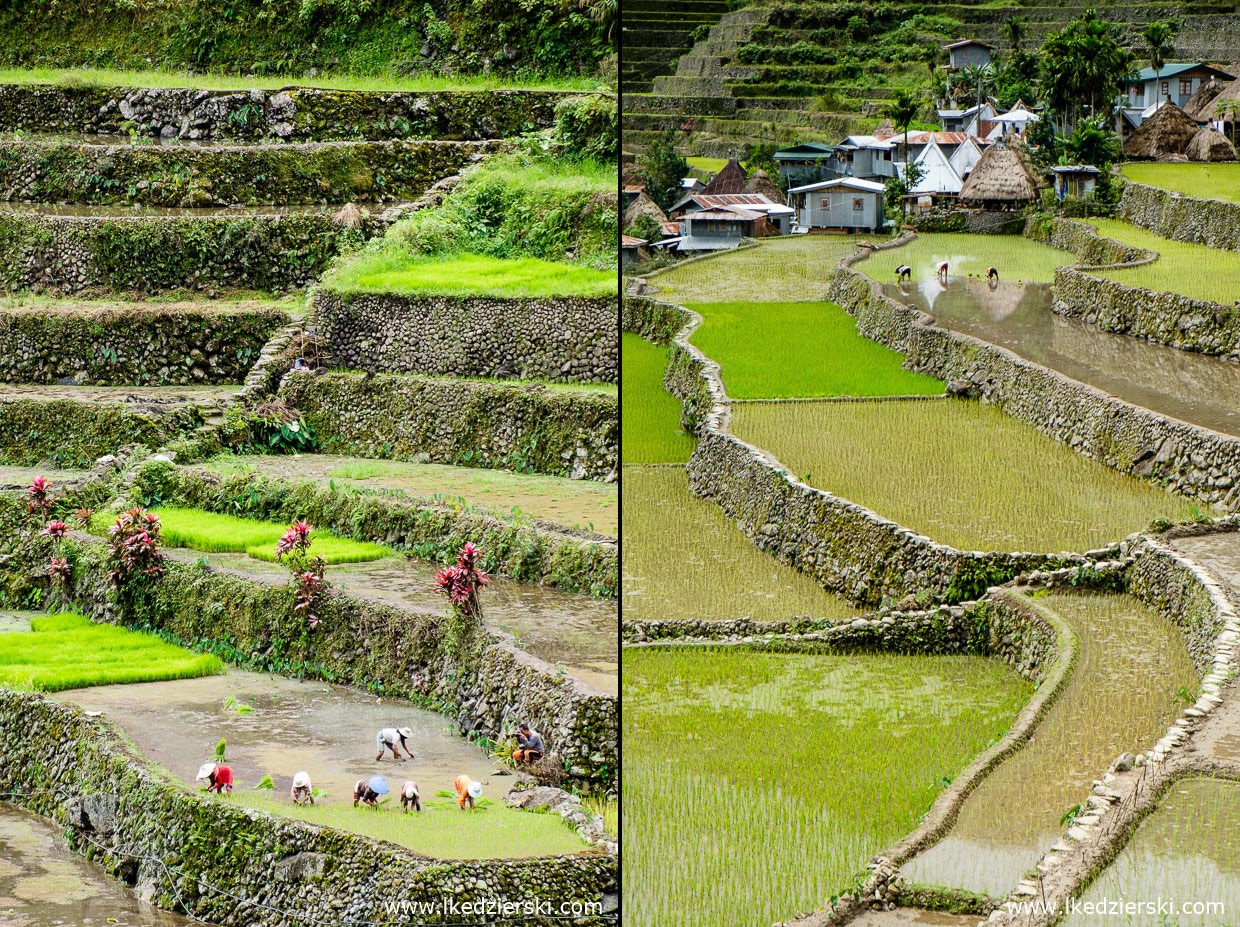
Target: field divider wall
[(1214, 223)]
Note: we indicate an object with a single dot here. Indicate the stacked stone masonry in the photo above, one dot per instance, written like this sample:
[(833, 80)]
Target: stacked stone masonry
[(567, 338), (1185, 218)]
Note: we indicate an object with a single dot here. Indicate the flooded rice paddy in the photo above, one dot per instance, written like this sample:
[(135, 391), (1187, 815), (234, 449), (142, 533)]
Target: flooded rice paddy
[(913, 917), (585, 504), (1186, 852), (684, 559), (1123, 693), (1016, 258), (577, 632), (1182, 384), (44, 884), (777, 777), (964, 474), (328, 731)]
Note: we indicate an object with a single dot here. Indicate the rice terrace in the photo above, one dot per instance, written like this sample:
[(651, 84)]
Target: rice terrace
[(931, 440), (309, 459)]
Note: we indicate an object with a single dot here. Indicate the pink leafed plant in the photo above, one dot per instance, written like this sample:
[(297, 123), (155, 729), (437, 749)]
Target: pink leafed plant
[(462, 582)]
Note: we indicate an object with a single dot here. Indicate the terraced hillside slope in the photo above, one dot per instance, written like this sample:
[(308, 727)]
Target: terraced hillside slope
[(784, 72)]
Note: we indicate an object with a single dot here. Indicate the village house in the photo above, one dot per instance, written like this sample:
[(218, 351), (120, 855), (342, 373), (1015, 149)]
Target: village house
[(777, 218), (976, 121), (967, 52), (1076, 180), (806, 163), (1175, 82), (847, 204), (632, 250)]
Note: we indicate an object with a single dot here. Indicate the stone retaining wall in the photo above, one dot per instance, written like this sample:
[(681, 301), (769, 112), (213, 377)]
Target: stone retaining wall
[(534, 552), (567, 338), (486, 684), (1181, 217), (231, 865), (1187, 458), (294, 113), (846, 547), (155, 345), (68, 254), (190, 176), (1090, 248), (532, 428)]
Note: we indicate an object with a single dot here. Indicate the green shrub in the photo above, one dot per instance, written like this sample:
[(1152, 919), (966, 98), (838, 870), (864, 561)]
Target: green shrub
[(587, 127)]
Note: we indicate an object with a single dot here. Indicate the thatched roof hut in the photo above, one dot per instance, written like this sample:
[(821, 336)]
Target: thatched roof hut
[(761, 182), (1209, 112), (731, 179), (1210, 145), (999, 178), (1201, 98), (643, 206), (1163, 135)]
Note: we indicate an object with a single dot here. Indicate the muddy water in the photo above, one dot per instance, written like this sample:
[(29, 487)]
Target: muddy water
[(111, 212), (1187, 851), (16, 620), (329, 731), (914, 917), (43, 884), (1121, 697), (1193, 387), (577, 632)]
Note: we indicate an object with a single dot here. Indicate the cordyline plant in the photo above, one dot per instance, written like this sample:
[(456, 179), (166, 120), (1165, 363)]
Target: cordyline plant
[(39, 499), (133, 547), (58, 568), (462, 582), (293, 549)]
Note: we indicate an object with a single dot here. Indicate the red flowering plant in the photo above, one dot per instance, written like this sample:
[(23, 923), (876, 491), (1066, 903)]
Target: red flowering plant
[(133, 548), (461, 583), (58, 567), (293, 549), (39, 499)]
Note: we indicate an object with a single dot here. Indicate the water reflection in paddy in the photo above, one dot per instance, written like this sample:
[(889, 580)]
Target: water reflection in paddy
[(1188, 386), (43, 884)]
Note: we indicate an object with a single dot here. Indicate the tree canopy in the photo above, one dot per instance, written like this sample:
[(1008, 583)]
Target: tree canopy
[(1082, 65)]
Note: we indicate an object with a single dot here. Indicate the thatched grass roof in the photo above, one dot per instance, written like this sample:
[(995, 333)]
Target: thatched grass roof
[(1201, 98), (999, 177), (1210, 145), (731, 179), (761, 182), (884, 129), (1209, 112), (1162, 135), (643, 205)]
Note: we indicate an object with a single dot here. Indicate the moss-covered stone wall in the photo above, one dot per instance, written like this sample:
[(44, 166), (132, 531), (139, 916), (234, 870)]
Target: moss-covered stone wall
[(567, 338), (190, 176), (69, 254), (1185, 218), (292, 114), (531, 428), (528, 551), (151, 345), (229, 865)]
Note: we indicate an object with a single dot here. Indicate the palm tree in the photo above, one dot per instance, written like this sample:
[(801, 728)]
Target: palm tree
[(981, 75), (1159, 41), (1015, 28), (902, 110), (1229, 111)]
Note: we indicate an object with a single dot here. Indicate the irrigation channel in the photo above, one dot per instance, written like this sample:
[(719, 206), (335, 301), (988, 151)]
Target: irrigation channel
[(1115, 703), (166, 342)]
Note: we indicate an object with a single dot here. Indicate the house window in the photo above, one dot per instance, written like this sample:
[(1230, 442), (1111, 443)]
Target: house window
[(825, 203), (858, 203), (1138, 93), (1186, 87), (1165, 88)]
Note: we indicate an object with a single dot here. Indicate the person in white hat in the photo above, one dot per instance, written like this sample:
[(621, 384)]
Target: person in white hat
[(410, 797), (390, 738), (219, 778), (467, 790), (303, 791)]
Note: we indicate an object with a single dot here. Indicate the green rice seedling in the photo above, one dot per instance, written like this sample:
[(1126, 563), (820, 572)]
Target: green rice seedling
[(1196, 271), (1120, 698), (1185, 850), (649, 415), (788, 269), (1204, 181), (221, 750), (962, 473), (392, 269), (1018, 259), (608, 808), (819, 351), (67, 651), (266, 783), (442, 830), (684, 559), (331, 548), (756, 785)]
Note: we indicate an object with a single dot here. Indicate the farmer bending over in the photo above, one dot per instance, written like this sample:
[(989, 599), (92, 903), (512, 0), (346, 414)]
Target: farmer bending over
[(943, 271), (529, 745), (467, 790), (367, 791), (219, 778), (992, 275), (904, 272), (303, 791), (389, 738), (410, 797)]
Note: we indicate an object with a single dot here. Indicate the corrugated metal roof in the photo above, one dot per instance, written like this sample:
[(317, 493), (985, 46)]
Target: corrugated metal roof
[(628, 241), (719, 214)]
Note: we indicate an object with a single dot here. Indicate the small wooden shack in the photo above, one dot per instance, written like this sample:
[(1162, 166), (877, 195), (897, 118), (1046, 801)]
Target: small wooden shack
[(847, 204)]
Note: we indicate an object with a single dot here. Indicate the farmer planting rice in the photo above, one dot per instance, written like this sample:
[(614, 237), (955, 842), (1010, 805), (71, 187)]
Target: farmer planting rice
[(942, 271), (992, 275), (410, 797), (369, 791), (904, 272), (218, 778), (467, 790), (390, 738), (529, 745), (302, 789)]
